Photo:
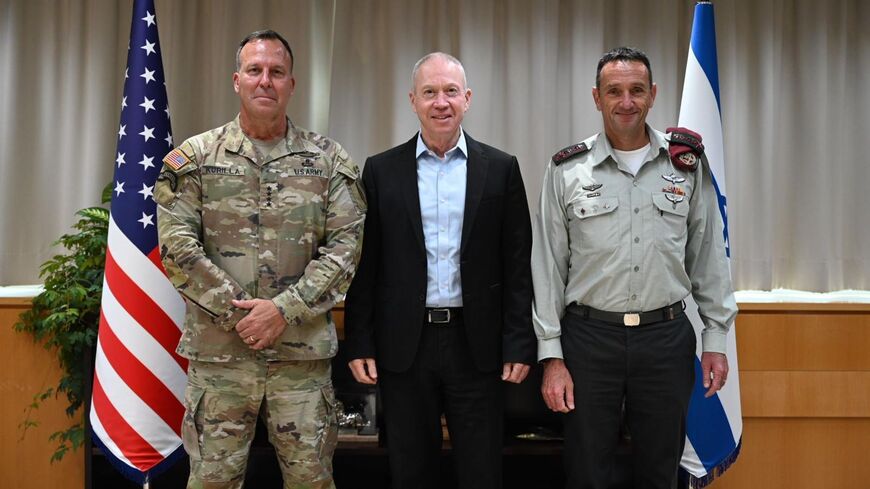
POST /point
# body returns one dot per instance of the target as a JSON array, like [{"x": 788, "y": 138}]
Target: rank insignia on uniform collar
[
  {"x": 592, "y": 187},
  {"x": 685, "y": 148},
  {"x": 566, "y": 153}
]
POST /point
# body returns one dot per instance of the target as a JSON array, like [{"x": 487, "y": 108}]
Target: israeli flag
[{"x": 714, "y": 425}]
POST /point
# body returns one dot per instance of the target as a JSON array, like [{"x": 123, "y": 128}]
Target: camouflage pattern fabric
[
  {"x": 223, "y": 400},
  {"x": 234, "y": 224}
]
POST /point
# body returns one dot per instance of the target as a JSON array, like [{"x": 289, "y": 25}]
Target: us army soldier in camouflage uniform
[{"x": 260, "y": 224}]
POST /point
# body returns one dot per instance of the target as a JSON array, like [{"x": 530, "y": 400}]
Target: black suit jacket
[{"x": 385, "y": 306}]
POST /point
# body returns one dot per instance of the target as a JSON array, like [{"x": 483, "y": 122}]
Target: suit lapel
[
  {"x": 476, "y": 169},
  {"x": 407, "y": 175}
]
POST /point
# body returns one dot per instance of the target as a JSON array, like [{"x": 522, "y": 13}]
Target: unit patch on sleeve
[{"x": 176, "y": 159}]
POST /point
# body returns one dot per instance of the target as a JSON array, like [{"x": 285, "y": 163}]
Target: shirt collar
[
  {"x": 603, "y": 149},
  {"x": 423, "y": 149}
]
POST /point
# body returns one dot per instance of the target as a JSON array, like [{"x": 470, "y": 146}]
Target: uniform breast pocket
[
  {"x": 594, "y": 223},
  {"x": 225, "y": 187},
  {"x": 670, "y": 221}
]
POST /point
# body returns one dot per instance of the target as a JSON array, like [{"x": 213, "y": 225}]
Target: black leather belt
[
  {"x": 629, "y": 319},
  {"x": 443, "y": 315}
]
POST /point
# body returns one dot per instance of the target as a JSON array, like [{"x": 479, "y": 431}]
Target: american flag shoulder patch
[{"x": 176, "y": 159}]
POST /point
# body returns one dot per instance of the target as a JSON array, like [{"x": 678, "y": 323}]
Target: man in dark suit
[{"x": 439, "y": 313}]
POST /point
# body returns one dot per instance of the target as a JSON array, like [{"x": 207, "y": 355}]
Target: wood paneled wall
[
  {"x": 25, "y": 370},
  {"x": 805, "y": 392},
  {"x": 804, "y": 380}
]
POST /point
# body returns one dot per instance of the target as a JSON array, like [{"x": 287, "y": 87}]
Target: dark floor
[
  {"x": 352, "y": 471},
  {"x": 527, "y": 464}
]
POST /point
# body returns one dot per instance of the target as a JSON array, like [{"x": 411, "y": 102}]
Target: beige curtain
[{"x": 793, "y": 77}]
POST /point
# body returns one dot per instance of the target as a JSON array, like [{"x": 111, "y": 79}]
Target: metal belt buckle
[
  {"x": 631, "y": 319},
  {"x": 439, "y": 316}
]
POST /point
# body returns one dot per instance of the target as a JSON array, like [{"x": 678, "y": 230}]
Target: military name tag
[
  {"x": 223, "y": 170},
  {"x": 308, "y": 172}
]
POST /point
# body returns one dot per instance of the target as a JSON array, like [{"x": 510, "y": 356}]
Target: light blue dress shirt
[{"x": 441, "y": 184}]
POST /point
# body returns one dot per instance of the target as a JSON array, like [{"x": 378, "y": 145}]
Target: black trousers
[
  {"x": 651, "y": 369},
  {"x": 443, "y": 379}
]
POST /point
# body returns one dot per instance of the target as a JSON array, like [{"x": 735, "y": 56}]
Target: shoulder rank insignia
[
  {"x": 569, "y": 152},
  {"x": 176, "y": 159},
  {"x": 685, "y": 148}
]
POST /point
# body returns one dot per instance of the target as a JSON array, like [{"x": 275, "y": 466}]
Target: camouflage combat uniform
[{"x": 234, "y": 224}]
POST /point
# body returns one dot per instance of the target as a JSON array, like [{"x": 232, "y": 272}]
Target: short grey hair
[
  {"x": 264, "y": 35},
  {"x": 445, "y": 57}
]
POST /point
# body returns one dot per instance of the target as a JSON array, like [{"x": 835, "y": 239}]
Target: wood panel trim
[
  {"x": 804, "y": 341},
  {"x": 778, "y": 394},
  {"x": 803, "y": 307},
  {"x": 15, "y": 302}
]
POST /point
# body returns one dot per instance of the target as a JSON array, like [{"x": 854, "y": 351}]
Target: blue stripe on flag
[
  {"x": 704, "y": 45},
  {"x": 132, "y": 473},
  {"x": 723, "y": 203},
  {"x": 707, "y": 427}
]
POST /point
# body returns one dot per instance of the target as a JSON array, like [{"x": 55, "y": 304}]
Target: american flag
[{"x": 137, "y": 403}]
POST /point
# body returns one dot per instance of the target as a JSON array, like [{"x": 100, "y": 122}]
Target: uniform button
[
  {"x": 636, "y": 210},
  {"x": 634, "y": 183},
  {"x": 633, "y": 297},
  {"x": 636, "y": 268},
  {"x": 637, "y": 240}
]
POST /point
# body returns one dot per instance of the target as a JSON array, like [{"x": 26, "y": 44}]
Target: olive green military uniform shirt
[
  {"x": 623, "y": 243},
  {"x": 286, "y": 226}
]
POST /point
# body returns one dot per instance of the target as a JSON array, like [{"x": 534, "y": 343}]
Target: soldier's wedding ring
[{"x": 251, "y": 339}]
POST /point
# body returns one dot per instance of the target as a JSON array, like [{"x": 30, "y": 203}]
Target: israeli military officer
[
  {"x": 259, "y": 225},
  {"x": 628, "y": 225}
]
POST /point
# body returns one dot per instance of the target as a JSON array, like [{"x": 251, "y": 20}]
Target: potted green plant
[{"x": 65, "y": 317}]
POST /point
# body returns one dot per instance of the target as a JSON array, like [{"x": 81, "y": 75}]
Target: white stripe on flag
[
  {"x": 138, "y": 414},
  {"x": 147, "y": 350},
  {"x": 700, "y": 113},
  {"x": 142, "y": 271},
  {"x": 97, "y": 425}
]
